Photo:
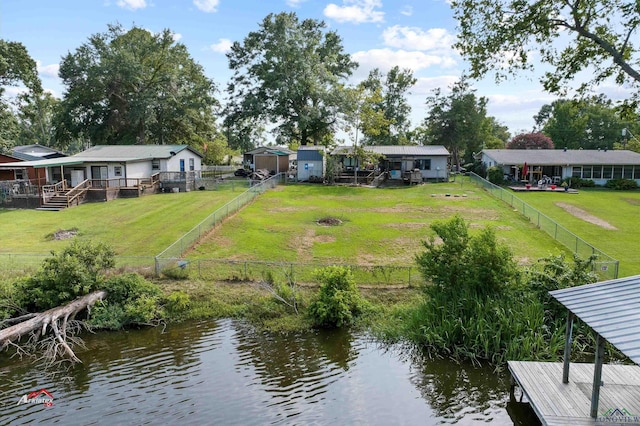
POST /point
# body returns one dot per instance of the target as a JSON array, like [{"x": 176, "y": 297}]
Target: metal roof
[
  {"x": 611, "y": 308},
  {"x": 108, "y": 153},
  {"x": 394, "y": 150},
  {"x": 560, "y": 157}
]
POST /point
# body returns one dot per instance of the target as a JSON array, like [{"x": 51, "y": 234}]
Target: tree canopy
[
  {"x": 456, "y": 121},
  {"x": 135, "y": 87},
  {"x": 288, "y": 73},
  {"x": 589, "y": 123},
  {"x": 530, "y": 141},
  {"x": 597, "y": 36},
  {"x": 387, "y": 104}
]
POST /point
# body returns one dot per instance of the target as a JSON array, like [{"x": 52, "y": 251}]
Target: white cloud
[
  {"x": 385, "y": 59},
  {"x": 132, "y": 4},
  {"x": 355, "y": 11},
  {"x": 222, "y": 46},
  {"x": 295, "y": 3},
  {"x": 208, "y": 6},
  {"x": 176, "y": 36},
  {"x": 417, "y": 39},
  {"x": 49, "y": 71},
  {"x": 407, "y": 10}
]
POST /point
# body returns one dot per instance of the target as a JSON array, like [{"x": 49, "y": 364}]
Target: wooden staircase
[{"x": 58, "y": 197}]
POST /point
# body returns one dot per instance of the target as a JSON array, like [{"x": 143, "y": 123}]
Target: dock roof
[{"x": 611, "y": 308}]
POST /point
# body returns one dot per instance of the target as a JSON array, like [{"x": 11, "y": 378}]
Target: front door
[
  {"x": 77, "y": 176},
  {"x": 99, "y": 176}
]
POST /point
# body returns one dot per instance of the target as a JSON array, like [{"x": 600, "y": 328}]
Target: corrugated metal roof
[
  {"x": 611, "y": 308},
  {"x": 391, "y": 150},
  {"x": 560, "y": 157},
  {"x": 131, "y": 152}
]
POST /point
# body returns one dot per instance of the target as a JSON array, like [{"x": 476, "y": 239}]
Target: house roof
[
  {"x": 35, "y": 152},
  {"x": 273, "y": 150},
  {"x": 106, "y": 153},
  {"x": 560, "y": 157},
  {"x": 405, "y": 150},
  {"x": 611, "y": 308}
]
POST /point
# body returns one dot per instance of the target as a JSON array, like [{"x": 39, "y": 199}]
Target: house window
[
  {"x": 422, "y": 164},
  {"x": 182, "y": 165},
  {"x": 617, "y": 172},
  {"x": 597, "y": 172},
  {"x": 606, "y": 172},
  {"x": 155, "y": 164},
  {"x": 19, "y": 174},
  {"x": 587, "y": 172},
  {"x": 627, "y": 172},
  {"x": 117, "y": 171},
  {"x": 577, "y": 172},
  {"x": 192, "y": 166}
]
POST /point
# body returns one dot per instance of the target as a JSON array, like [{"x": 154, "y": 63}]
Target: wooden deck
[{"x": 556, "y": 403}]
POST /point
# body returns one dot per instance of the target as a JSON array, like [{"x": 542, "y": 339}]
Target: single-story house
[
  {"x": 109, "y": 171},
  {"x": 432, "y": 161},
  {"x": 273, "y": 158},
  {"x": 558, "y": 164}
]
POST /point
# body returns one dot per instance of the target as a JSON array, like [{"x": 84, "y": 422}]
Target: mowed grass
[
  {"x": 132, "y": 226},
  {"x": 621, "y": 209},
  {"x": 379, "y": 226}
]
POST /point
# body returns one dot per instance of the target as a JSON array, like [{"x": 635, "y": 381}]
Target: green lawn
[
  {"x": 379, "y": 226},
  {"x": 620, "y": 209},
  {"x": 132, "y": 226}
]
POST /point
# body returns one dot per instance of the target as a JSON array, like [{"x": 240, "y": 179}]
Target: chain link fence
[
  {"x": 605, "y": 266},
  {"x": 172, "y": 255},
  {"x": 16, "y": 265},
  {"x": 303, "y": 273}
]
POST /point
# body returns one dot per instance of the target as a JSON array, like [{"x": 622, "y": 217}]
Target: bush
[
  {"x": 621, "y": 184},
  {"x": 578, "y": 183},
  {"x": 76, "y": 271},
  {"x": 495, "y": 175},
  {"x": 339, "y": 301}
]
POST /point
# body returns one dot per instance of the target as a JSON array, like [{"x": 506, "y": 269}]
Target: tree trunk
[{"x": 56, "y": 318}]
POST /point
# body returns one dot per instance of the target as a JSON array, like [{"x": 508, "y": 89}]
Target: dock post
[
  {"x": 597, "y": 376},
  {"x": 567, "y": 348}
]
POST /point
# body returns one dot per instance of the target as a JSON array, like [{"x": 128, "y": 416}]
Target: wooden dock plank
[{"x": 558, "y": 403}]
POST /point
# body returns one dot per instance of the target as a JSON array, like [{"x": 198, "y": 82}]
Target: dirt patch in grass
[
  {"x": 632, "y": 201},
  {"x": 406, "y": 225},
  {"x": 329, "y": 221},
  {"x": 587, "y": 217},
  {"x": 63, "y": 234}
]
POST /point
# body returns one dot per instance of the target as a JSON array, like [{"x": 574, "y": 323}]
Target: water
[{"x": 224, "y": 372}]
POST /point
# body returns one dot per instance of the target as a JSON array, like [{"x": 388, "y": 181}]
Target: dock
[{"x": 557, "y": 403}]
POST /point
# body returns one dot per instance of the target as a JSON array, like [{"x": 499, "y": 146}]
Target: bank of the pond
[{"x": 253, "y": 302}]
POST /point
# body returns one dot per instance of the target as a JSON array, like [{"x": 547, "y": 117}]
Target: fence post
[{"x": 157, "y": 263}]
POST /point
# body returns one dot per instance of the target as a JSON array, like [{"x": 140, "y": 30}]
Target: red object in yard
[
  {"x": 525, "y": 171},
  {"x": 553, "y": 187},
  {"x": 528, "y": 186}
]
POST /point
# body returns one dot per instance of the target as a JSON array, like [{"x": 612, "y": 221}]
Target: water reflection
[{"x": 227, "y": 373}]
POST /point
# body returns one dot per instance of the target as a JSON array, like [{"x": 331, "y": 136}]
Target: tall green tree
[
  {"x": 135, "y": 87},
  {"x": 387, "y": 97},
  {"x": 36, "y": 114},
  {"x": 494, "y": 135},
  {"x": 288, "y": 73},
  {"x": 588, "y": 123},
  {"x": 456, "y": 120},
  {"x": 16, "y": 68},
  {"x": 598, "y": 36}
]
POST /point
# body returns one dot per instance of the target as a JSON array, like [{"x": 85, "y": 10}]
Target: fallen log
[{"x": 56, "y": 318}]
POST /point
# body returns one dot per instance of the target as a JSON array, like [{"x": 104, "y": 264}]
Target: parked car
[{"x": 242, "y": 172}]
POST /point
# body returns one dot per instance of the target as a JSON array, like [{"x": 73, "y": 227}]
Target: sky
[{"x": 415, "y": 34}]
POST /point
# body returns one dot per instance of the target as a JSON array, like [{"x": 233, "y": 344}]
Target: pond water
[{"x": 224, "y": 372}]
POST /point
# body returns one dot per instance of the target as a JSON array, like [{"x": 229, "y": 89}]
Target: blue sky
[{"x": 414, "y": 34}]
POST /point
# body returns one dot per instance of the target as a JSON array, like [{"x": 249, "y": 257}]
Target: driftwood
[{"x": 57, "y": 318}]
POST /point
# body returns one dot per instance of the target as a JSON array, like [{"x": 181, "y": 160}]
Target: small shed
[
  {"x": 273, "y": 158},
  {"x": 311, "y": 162}
]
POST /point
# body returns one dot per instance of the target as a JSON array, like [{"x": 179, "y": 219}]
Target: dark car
[{"x": 242, "y": 172}]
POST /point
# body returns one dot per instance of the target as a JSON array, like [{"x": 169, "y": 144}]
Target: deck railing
[
  {"x": 78, "y": 192},
  {"x": 49, "y": 191}
]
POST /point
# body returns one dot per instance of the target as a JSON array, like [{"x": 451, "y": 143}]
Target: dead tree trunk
[{"x": 57, "y": 318}]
